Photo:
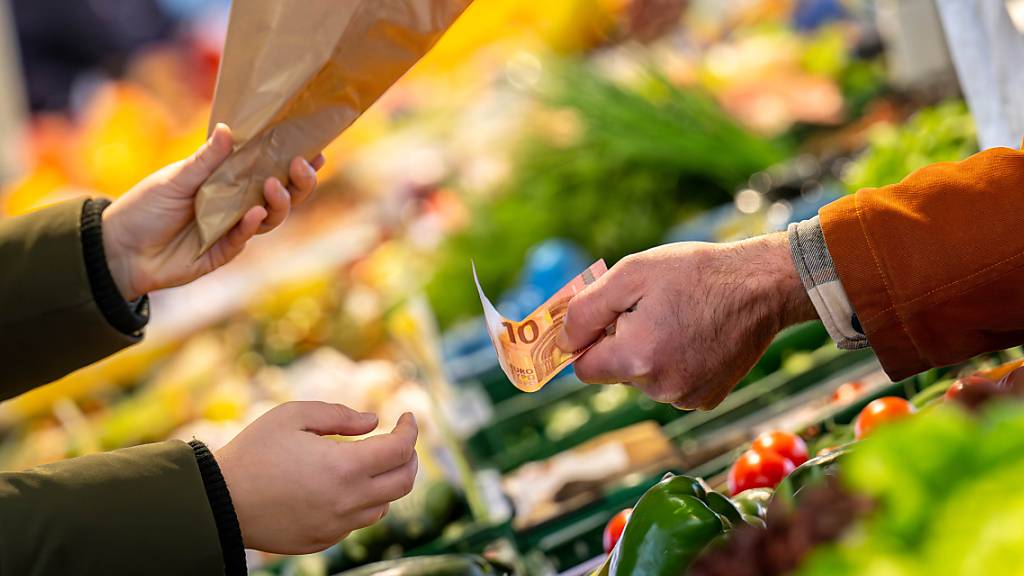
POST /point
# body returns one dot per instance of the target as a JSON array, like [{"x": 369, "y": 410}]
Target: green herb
[
  {"x": 942, "y": 133},
  {"x": 645, "y": 157},
  {"x": 945, "y": 485}
]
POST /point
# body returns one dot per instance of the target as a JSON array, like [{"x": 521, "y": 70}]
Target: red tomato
[
  {"x": 755, "y": 469},
  {"x": 953, "y": 391},
  {"x": 613, "y": 531},
  {"x": 789, "y": 446},
  {"x": 879, "y": 412},
  {"x": 967, "y": 382},
  {"x": 847, "y": 392}
]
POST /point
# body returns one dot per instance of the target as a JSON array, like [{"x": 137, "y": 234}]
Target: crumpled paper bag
[{"x": 295, "y": 74}]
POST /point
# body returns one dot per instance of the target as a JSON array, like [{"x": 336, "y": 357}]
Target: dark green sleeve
[
  {"x": 50, "y": 325},
  {"x": 140, "y": 510}
]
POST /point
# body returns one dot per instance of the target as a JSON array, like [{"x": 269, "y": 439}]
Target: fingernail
[
  {"x": 563, "y": 341},
  {"x": 310, "y": 171},
  {"x": 220, "y": 127}
]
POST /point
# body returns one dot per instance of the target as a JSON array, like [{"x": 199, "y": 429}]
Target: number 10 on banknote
[{"x": 527, "y": 350}]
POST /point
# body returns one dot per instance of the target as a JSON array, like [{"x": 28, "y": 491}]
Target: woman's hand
[
  {"x": 149, "y": 236},
  {"x": 296, "y": 492}
]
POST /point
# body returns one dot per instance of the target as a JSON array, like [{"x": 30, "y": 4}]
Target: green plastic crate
[
  {"x": 575, "y": 537},
  {"x": 560, "y": 417}
]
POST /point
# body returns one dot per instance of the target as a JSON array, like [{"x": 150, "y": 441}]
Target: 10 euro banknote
[{"x": 527, "y": 350}]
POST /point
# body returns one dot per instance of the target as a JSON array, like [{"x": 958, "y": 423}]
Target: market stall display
[
  {"x": 613, "y": 530},
  {"x": 670, "y": 525},
  {"x": 531, "y": 142},
  {"x": 431, "y": 566},
  {"x": 874, "y": 504}
]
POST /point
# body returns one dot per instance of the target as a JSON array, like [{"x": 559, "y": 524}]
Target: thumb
[
  {"x": 195, "y": 169},
  {"x": 595, "y": 308},
  {"x": 326, "y": 419}
]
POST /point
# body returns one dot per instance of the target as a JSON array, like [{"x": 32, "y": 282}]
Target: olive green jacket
[{"x": 141, "y": 510}]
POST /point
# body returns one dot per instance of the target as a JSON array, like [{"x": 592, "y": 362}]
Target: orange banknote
[{"x": 526, "y": 350}]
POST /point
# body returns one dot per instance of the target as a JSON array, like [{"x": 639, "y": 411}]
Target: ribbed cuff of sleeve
[
  {"x": 223, "y": 510},
  {"x": 127, "y": 317},
  {"x": 818, "y": 273}
]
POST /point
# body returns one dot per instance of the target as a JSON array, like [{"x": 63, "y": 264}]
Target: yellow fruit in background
[
  {"x": 226, "y": 403},
  {"x": 44, "y": 186},
  {"x": 121, "y": 139},
  {"x": 565, "y": 26},
  {"x": 278, "y": 302},
  {"x": 186, "y": 139},
  {"x": 124, "y": 135}
]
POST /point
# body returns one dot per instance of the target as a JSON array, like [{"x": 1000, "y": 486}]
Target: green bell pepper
[
  {"x": 725, "y": 508},
  {"x": 671, "y": 524},
  {"x": 755, "y": 521},
  {"x": 814, "y": 472},
  {"x": 753, "y": 502}
]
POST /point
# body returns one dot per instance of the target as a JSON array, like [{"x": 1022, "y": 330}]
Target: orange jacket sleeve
[{"x": 934, "y": 265}]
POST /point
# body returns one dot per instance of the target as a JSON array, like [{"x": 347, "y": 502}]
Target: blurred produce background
[{"x": 533, "y": 139}]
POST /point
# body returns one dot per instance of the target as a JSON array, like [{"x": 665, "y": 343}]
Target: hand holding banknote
[
  {"x": 688, "y": 320},
  {"x": 527, "y": 350}
]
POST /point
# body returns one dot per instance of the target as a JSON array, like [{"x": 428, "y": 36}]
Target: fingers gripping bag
[{"x": 295, "y": 74}]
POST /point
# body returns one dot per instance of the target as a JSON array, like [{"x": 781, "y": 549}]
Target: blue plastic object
[
  {"x": 548, "y": 266},
  {"x": 188, "y": 9},
  {"x": 806, "y": 208},
  {"x": 812, "y": 14},
  {"x": 702, "y": 228},
  {"x": 552, "y": 264}
]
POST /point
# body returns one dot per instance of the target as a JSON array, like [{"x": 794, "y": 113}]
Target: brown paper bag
[{"x": 295, "y": 74}]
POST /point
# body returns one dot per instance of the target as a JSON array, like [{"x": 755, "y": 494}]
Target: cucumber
[
  {"x": 422, "y": 516},
  {"x": 366, "y": 544},
  {"x": 931, "y": 394}
]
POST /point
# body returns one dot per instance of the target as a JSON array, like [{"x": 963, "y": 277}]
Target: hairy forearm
[{"x": 775, "y": 280}]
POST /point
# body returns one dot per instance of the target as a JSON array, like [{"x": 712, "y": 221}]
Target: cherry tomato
[
  {"x": 789, "y": 446},
  {"x": 975, "y": 390},
  {"x": 879, "y": 412},
  {"x": 956, "y": 391},
  {"x": 613, "y": 531},
  {"x": 755, "y": 469},
  {"x": 847, "y": 392}
]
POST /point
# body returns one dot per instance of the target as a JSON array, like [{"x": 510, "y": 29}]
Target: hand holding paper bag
[
  {"x": 149, "y": 233},
  {"x": 295, "y": 75}
]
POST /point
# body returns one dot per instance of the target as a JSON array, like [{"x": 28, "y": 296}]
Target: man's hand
[
  {"x": 296, "y": 492},
  {"x": 689, "y": 319},
  {"x": 149, "y": 236}
]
